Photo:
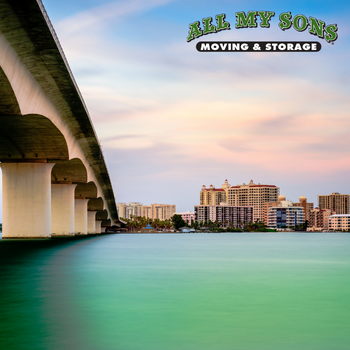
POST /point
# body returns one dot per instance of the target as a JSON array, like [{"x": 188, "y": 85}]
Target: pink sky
[{"x": 171, "y": 119}]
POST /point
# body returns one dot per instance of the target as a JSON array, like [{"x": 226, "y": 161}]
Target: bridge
[{"x": 54, "y": 176}]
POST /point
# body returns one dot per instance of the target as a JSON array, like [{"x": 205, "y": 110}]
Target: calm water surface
[{"x": 177, "y": 292}]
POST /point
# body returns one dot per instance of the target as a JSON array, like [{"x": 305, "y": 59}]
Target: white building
[
  {"x": 339, "y": 222},
  {"x": 285, "y": 215}
]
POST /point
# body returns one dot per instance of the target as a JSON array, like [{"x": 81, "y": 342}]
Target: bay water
[{"x": 228, "y": 291}]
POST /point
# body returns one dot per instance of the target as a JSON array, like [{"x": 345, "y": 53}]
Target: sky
[{"x": 171, "y": 119}]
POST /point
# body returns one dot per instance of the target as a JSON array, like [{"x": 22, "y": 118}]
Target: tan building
[
  {"x": 339, "y": 222},
  {"x": 125, "y": 210},
  {"x": 318, "y": 219},
  {"x": 255, "y": 195},
  {"x": 305, "y": 205},
  {"x": 159, "y": 211},
  {"x": 336, "y": 202},
  {"x": 269, "y": 205},
  {"x": 214, "y": 196}
]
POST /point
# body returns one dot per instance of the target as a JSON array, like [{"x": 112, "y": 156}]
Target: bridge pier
[
  {"x": 103, "y": 229},
  {"x": 26, "y": 199},
  {"x": 98, "y": 226},
  {"x": 80, "y": 216},
  {"x": 91, "y": 218},
  {"x": 62, "y": 208}
]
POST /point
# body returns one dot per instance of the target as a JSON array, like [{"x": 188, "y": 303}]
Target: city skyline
[{"x": 171, "y": 119}]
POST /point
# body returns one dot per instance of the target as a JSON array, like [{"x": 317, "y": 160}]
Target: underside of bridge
[{"x": 55, "y": 180}]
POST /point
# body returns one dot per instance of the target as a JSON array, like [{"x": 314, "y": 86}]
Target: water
[{"x": 177, "y": 292}]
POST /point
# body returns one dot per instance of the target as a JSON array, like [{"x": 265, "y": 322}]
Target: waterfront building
[
  {"x": 306, "y": 206},
  {"x": 269, "y": 205},
  {"x": 214, "y": 196},
  {"x": 336, "y": 202},
  {"x": 187, "y": 217},
  {"x": 125, "y": 210},
  {"x": 159, "y": 211},
  {"x": 256, "y": 195},
  {"x": 319, "y": 219},
  {"x": 226, "y": 214},
  {"x": 339, "y": 222},
  {"x": 285, "y": 215}
]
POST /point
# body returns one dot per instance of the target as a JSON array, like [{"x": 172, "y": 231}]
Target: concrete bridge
[{"x": 55, "y": 180}]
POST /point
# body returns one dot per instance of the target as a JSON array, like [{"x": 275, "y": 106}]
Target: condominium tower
[
  {"x": 336, "y": 202},
  {"x": 159, "y": 211},
  {"x": 214, "y": 196},
  {"x": 305, "y": 205},
  {"x": 125, "y": 210},
  {"x": 255, "y": 195},
  {"x": 224, "y": 214}
]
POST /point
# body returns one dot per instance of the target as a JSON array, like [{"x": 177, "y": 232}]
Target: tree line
[{"x": 137, "y": 223}]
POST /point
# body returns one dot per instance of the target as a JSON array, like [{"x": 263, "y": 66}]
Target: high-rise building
[
  {"x": 159, "y": 211},
  {"x": 319, "y": 219},
  {"x": 226, "y": 214},
  {"x": 336, "y": 202},
  {"x": 306, "y": 206},
  {"x": 214, "y": 196},
  {"x": 125, "y": 210},
  {"x": 269, "y": 205},
  {"x": 285, "y": 215},
  {"x": 255, "y": 195}
]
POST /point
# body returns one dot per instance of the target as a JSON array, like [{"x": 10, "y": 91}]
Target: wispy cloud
[{"x": 98, "y": 16}]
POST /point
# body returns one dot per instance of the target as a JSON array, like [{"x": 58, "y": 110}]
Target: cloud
[
  {"x": 168, "y": 114},
  {"x": 99, "y": 16}
]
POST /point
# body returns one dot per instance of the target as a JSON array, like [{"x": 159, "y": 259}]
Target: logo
[{"x": 252, "y": 19}]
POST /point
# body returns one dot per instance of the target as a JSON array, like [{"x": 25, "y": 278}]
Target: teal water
[{"x": 177, "y": 292}]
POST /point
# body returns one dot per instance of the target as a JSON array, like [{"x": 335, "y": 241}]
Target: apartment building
[
  {"x": 214, "y": 196},
  {"x": 228, "y": 215},
  {"x": 285, "y": 215},
  {"x": 125, "y": 210},
  {"x": 339, "y": 222},
  {"x": 159, "y": 211},
  {"x": 319, "y": 219},
  {"x": 306, "y": 206},
  {"x": 255, "y": 195},
  {"x": 187, "y": 216},
  {"x": 336, "y": 202}
]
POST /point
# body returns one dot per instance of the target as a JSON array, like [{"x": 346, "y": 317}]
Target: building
[
  {"x": 126, "y": 210},
  {"x": 159, "y": 211},
  {"x": 269, "y": 205},
  {"x": 188, "y": 216},
  {"x": 339, "y": 222},
  {"x": 285, "y": 215},
  {"x": 255, "y": 195},
  {"x": 319, "y": 219},
  {"x": 306, "y": 206},
  {"x": 228, "y": 215},
  {"x": 214, "y": 196},
  {"x": 336, "y": 202}
]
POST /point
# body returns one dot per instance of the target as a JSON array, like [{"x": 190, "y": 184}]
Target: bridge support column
[
  {"x": 26, "y": 200},
  {"x": 80, "y": 216},
  {"x": 103, "y": 229},
  {"x": 98, "y": 226},
  {"x": 62, "y": 209},
  {"x": 91, "y": 221}
]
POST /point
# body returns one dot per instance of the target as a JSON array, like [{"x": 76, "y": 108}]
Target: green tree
[{"x": 177, "y": 221}]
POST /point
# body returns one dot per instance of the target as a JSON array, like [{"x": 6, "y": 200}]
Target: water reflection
[{"x": 229, "y": 291}]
